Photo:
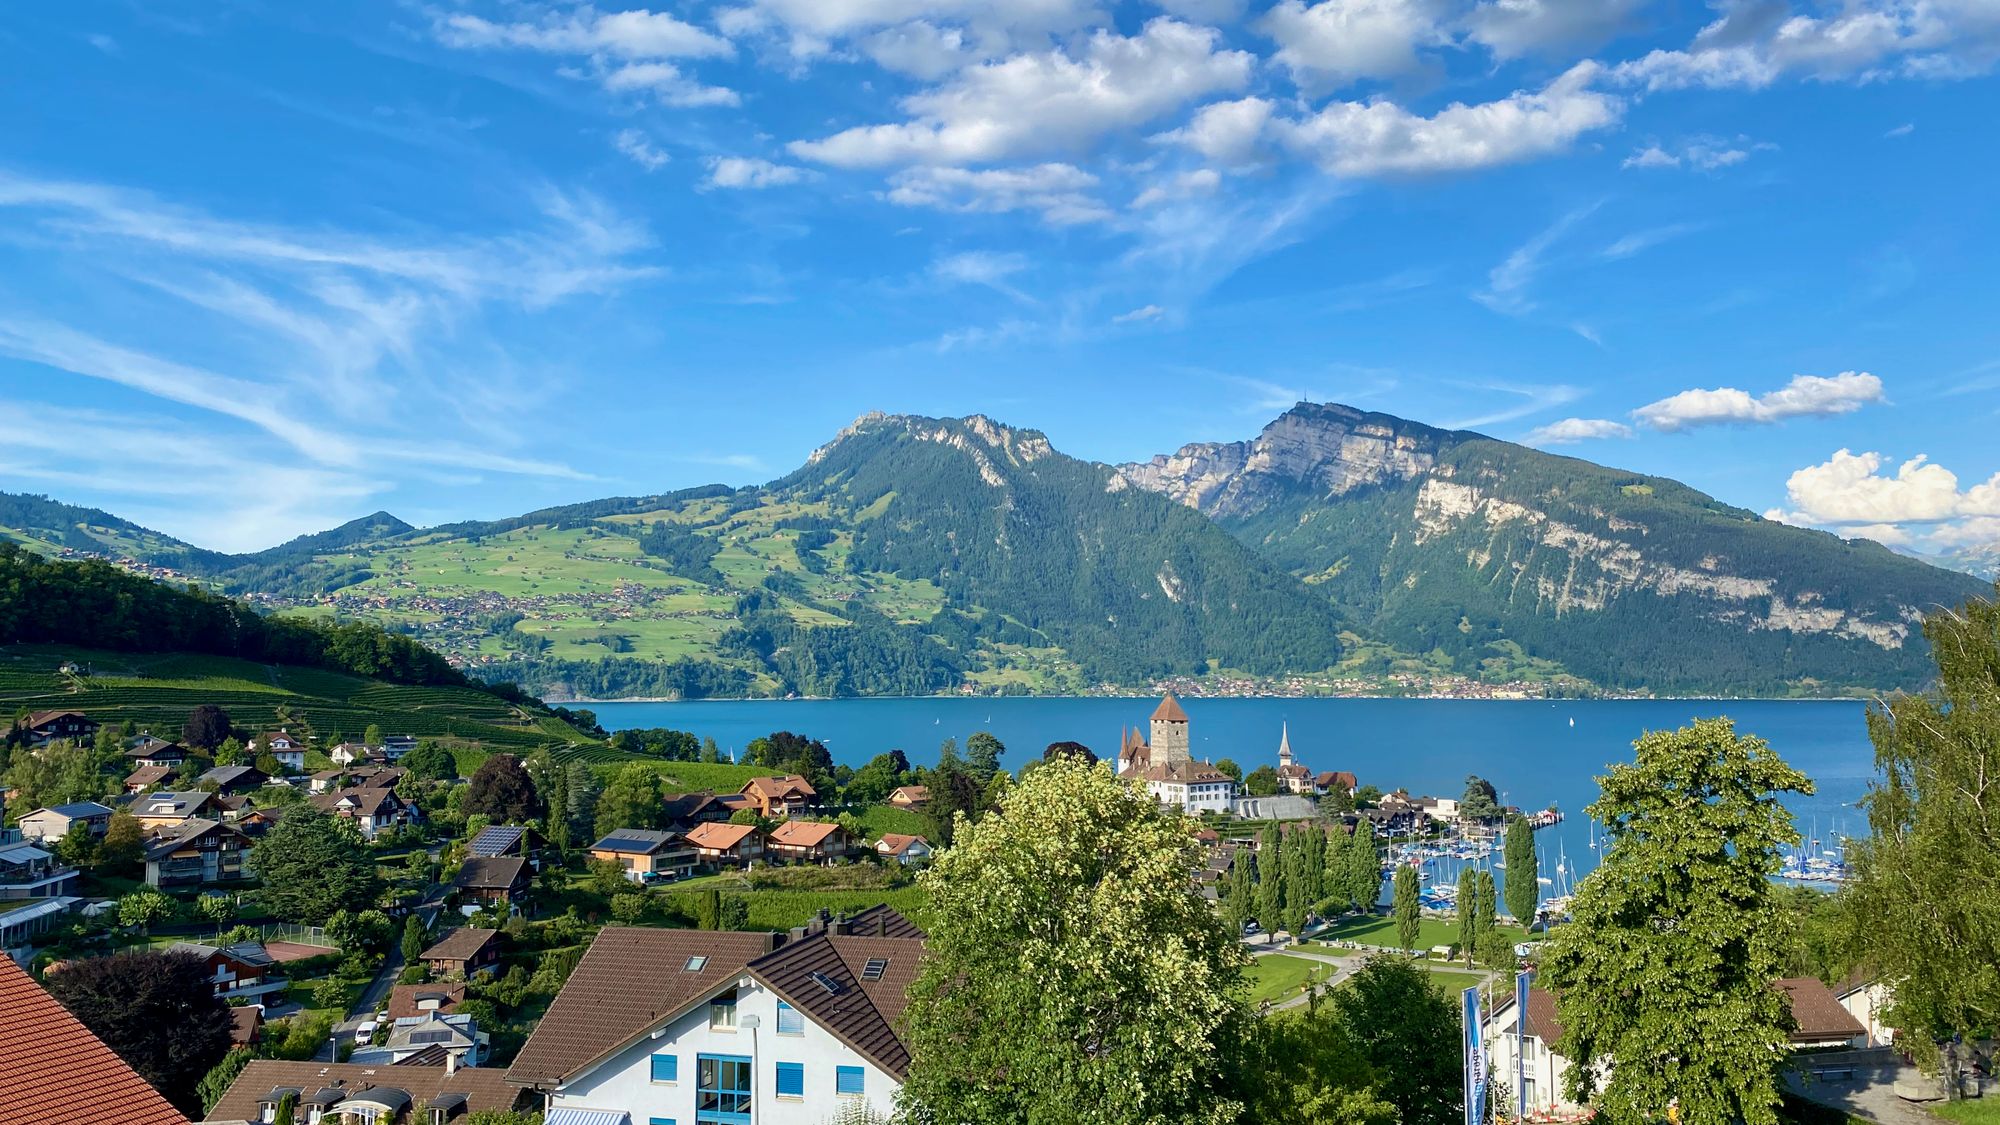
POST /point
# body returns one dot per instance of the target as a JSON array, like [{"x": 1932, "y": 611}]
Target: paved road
[
  {"x": 374, "y": 996},
  {"x": 1345, "y": 964},
  {"x": 1870, "y": 1093}
]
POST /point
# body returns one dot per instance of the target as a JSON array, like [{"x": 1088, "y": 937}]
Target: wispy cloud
[
  {"x": 1534, "y": 398},
  {"x": 1142, "y": 313},
  {"x": 1638, "y": 242},
  {"x": 1509, "y": 285}
]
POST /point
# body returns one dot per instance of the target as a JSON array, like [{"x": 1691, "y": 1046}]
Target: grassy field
[
  {"x": 156, "y": 691},
  {"x": 1451, "y": 980},
  {"x": 1980, "y": 1111},
  {"x": 1382, "y": 931},
  {"x": 878, "y": 819},
  {"x": 1278, "y": 977}
]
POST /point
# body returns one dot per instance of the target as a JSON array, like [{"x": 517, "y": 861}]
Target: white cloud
[
  {"x": 1534, "y": 399},
  {"x": 1045, "y": 102},
  {"x": 984, "y": 267},
  {"x": 1705, "y": 154},
  {"x": 1183, "y": 185},
  {"x": 1572, "y": 430},
  {"x": 1512, "y": 28},
  {"x": 1227, "y": 133},
  {"x": 1638, "y": 242},
  {"x": 1382, "y": 138},
  {"x": 1142, "y": 313},
  {"x": 919, "y": 49},
  {"x": 637, "y": 34},
  {"x": 1508, "y": 284},
  {"x": 1336, "y": 42},
  {"x": 103, "y": 43},
  {"x": 643, "y": 152},
  {"x": 1804, "y": 396},
  {"x": 1755, "y": 44},
  {"x": 1903, "y": 130},
  {"x": 751, "y": 173},
  {"x": 1060, "y": 192},
  {"x": 1851, "y": 488},
  {"x": 625, "y": 52}
]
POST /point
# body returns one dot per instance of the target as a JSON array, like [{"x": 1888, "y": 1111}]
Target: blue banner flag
[
  {"x": 1475, "y": 1061},
  {"x": 1522, "y": 982}
]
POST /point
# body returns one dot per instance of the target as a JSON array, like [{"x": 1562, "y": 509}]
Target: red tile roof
[
  {"x": 54, "y": 1070},
  {"x": 822, "y": 977},
  {"x": 718, "y": 836},
  {"x": 895, "y": 843},
  {"x": 403, "y": 999},
  {"x": 1169, "y": 710},
  {"x": 803, "y": 833},
  {"x": 780, "y": 788}
]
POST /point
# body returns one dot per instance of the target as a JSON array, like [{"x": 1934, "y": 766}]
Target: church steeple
[{"x": 1285, "y": 745}]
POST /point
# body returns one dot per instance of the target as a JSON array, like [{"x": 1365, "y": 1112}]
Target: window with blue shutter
[
  {"x": 791, "y": 1080},
  {"x": 790, "y": 1021},
  {"x": 666, "y": 1068},
  {"x": 847, "y": 1081}
]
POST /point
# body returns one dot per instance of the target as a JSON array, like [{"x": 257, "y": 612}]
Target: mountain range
[{"x": 1337, "y": 550}]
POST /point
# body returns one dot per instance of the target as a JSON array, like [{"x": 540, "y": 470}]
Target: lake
[{"x": 1533, "y": 751}]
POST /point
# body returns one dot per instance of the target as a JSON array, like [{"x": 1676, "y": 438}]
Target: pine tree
[{"x": 582, "y": 789}]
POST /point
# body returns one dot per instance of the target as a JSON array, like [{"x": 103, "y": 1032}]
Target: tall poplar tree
[
  {"x": 1666, "y": 970},
  {"x": 1409, "y": 916},
  {"x": 1364, "y": 867},
  {"x": 1271, "y": 879},
  {"x": 1928, "y": 880},
  {"x": 1524, "y": 886},
  {"x": 1468, "y": 912}
]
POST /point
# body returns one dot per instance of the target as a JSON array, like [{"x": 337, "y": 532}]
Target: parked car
[{"x": 365, "y": 1033}]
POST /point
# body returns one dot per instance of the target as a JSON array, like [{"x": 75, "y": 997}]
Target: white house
[
  {"x": 1864, "y": 997},
  {"x": 288, "y": 749},
  {"x": 691, "y": 1027},
  {"x": 906, "y": 850}
]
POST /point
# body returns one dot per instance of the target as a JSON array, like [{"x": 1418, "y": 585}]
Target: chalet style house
[
  {"x": 501, "y": 839},
  {"x": 497, "y": 881},
  {"x": 289, "y": 751},
  {"x": 464, "y": 952},
  {"x": 150, "y": 751},
  {"x": 727, "y": 845},
  {"x": 43, "y": 727},
  {"x": 910, "y": 796},
  {"x": 703, "y": 1026},
  {"x": 645, "y": 854},
  {"x": 809, "y": 841},
  {"x": 245, "y": 970},
  {"x": 372, "y": 811},
  {"x": 197, "y": 853},
  {"x": 775, "y": 797},
  {"x": 906, "y": 850},
  {"x": 168, "y": 809}
]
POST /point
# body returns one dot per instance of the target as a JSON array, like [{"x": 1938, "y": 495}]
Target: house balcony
[{"x": 47, "y": 882}]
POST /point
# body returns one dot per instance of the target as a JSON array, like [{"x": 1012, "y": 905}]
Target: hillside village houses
[
  {"x": 289, "y": 751},
  {"x": 43, "y": 727},
  {"x": 52, "y": 824}
]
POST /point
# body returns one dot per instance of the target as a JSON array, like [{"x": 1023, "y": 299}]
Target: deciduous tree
[
  {"x": 1665, "y": 971},
  {"x": 206, "y": 727},
  {"x": 982, "y": 756},
  {"x": 158, "y": 1011},
  {"x": 123, "y": 846},
  {"x": 1054, "y": 925},
  {"x": 1929, "y": 877},
  {"x": 1408, "y": 1030},
  {"x": 502, "y": 789},
  {"x": 634, "y": 799},
  {"x": 1262, "y": 782}
]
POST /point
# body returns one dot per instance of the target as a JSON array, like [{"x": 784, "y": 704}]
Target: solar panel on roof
[
  {"x": 831, "y": 985},
  {"x": 874, "y": 969},
  {"x": 431, "y": 1037}
]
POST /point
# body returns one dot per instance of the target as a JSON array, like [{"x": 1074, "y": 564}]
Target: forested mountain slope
[{"x": 1458, "y": 543}]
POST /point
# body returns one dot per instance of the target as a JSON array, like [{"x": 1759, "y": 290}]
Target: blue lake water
[{"x": 1530, "y": 750}]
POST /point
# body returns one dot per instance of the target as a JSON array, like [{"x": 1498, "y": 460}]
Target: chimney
[{"x": 450, "y": 1063}]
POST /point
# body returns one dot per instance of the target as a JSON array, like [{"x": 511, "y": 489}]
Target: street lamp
[{"x": 750, "y": 1023}]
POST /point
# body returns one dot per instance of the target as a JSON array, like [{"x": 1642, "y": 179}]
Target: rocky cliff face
[{"x": 1329, "y": 448}]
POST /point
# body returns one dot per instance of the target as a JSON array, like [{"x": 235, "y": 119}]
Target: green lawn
[
  {"x": 1278, "y": 976},
  {"x": 1979, "y": 1111},
  {"x": 878, "y": 819},
  {"x": 1382, "y": 931},
  {"x": 1453, "y": 981}
]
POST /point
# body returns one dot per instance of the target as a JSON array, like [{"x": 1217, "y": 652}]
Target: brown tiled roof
[
  {"x": 145, "y": 777},
  {"x": 44, "y": 718},
  {"x": 897, "y": 843},
  {"x": 883, "y": 921},
  {"x": 244, "y": 1023},
  {"x": 403, "y": 999},
  {"x": 1818, "y": 1014},
  {"x": 629, "y": 982},
  {"x": 913, "y": 794},
  {"x": 1542, "y": 1021},
  {"x": 54, "y": 1070},
  {"x": 1169, "y": 710},
  {"x": 484, "y": 1089},
  {"x": 433, "y": 1055},
  {"x": 367, "y": 799},
  {"x": 686, "y": 806},
  {"x": 460, "y": 945},
  {"x": 1184, "y": 773},
  {"x": 862, "y": 1013},
  {"x": 494, "y": 873},
  {"x": 1337, "y": 779},
  {"x": 718, "y": 836},
  {"x": 778, "y": 788},
  {"x": 803, "y": 833}
]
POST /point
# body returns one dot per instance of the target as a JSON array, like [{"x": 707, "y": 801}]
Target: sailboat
[{"x": 1572, "y": 721}]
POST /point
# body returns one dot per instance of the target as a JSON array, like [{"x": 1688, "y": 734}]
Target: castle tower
[{"x": 1170, "y": 733}]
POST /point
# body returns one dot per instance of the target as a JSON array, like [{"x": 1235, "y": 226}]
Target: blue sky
[{"x": 265, "y": 267}]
